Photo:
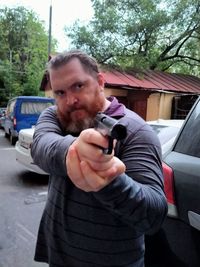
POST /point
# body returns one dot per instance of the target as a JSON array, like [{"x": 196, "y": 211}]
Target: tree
[
  {"x": 152, "y": 34},
  {"x": 24, "y": 51}
]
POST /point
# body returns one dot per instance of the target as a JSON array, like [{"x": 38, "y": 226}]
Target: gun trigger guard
[{"x": 109, "y": 150}]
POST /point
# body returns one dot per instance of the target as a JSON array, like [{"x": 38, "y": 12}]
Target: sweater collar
[{"x": 115, "y": 109}]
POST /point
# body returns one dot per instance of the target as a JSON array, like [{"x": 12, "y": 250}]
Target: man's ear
[{"x": 101, "y": 80}]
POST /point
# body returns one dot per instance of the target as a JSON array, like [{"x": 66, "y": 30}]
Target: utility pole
[{"x": 50, "y": 23}]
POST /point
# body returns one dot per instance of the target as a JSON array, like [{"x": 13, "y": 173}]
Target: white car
[
  {"x": 167, "y": 131},
  {"x": 23, "y": 151}
]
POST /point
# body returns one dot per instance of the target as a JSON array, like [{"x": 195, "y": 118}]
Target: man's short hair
[{"x": 89, "y": 63}]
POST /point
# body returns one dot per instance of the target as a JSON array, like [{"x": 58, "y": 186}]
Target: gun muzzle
[{"x": 110, "y": 127}]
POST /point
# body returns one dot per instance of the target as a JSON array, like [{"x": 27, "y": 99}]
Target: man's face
[{"x": 79, "y": 96}]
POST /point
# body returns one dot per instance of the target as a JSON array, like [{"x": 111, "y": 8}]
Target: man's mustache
[{"x": 72, "y": 109}]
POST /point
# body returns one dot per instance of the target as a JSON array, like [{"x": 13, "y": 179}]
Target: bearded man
[{"x": 99, "y": 206}]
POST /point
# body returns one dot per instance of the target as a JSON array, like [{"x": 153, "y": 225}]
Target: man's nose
[{"x": 71, "y": 99}]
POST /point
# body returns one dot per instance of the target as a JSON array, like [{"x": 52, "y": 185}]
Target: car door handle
[{"x": 194, "y": 219}]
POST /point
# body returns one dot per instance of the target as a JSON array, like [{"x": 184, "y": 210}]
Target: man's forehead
[
  {"x": 72, "y": 67},
  {"x": 68, "y": 80}
]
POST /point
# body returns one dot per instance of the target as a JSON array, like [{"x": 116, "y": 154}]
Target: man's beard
[{"x": 76, "y": 126}]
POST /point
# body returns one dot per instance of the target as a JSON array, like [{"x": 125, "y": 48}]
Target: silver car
[
  {"x": 23, "y": 151},
  {"x": 166, "y": 131}
]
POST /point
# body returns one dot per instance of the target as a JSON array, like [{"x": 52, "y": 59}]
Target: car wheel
[
  {"x": 7, "y": 135},
  {"x": 13, "y": 140}
]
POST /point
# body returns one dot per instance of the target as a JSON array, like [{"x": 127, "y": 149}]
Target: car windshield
[{"x": 165, "y": 133}]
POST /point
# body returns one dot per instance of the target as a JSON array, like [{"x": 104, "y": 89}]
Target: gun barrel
[
  {"x": 110, "y": 126},
  {"x": 118, "y": 132}
]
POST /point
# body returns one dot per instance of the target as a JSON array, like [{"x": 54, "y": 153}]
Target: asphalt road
[{"x": 22, "y": 199}]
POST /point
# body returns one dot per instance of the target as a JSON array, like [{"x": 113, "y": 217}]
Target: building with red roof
[{"x": 152, "y": 94}]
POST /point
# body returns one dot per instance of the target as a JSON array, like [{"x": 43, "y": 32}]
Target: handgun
[{"x": 110, "y": 127}]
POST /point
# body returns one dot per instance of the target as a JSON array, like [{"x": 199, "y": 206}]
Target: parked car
[
  {"x": 167, "y": 131},
  {"x": 2, "y": 111},
  {"x": 178, "y": 241},
  {"x": 2, "y": 117},
  {"x": 23, "y": 151},
  {"x": 22, "y": 112}
]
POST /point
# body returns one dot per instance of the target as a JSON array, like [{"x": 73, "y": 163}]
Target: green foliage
[
  {"x": 23, "y": 53},
  {"x": 152, "y": 34}
]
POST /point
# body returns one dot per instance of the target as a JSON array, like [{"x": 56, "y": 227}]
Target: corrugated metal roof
[
  {"x": 153, "y": 80},
  {"x": 147, "y": 80},
  {"x": 123, "y": 79}
]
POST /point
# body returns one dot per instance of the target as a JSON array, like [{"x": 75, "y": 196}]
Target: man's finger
[
  {"x": 93, "y": 179},
  {"x": 74, "y": 170}
]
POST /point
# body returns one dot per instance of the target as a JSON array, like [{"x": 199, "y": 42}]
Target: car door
[{"x": 184, "y": 160}]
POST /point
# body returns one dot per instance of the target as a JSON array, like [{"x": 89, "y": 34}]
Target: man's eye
[
  {"x": 59, "y": 93},
  {"x": 78, "y": 87}
]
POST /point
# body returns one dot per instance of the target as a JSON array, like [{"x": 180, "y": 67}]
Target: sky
[{"x": 64, "y": 13}]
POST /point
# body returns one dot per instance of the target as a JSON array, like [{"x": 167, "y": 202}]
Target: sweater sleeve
[
  {"x": 137, "y": 196},
  {"x": 50, "y": 146}
]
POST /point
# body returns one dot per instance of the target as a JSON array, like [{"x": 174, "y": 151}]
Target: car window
[
  {"x": 34, "y": 107},
  {"x": 189, "y": 140},
  {"x": 10, "y": 108}
]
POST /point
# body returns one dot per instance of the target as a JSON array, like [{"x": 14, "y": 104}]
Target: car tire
[
  {"x": 13, "y": 140},
  {"x": 7, "y": 135}
]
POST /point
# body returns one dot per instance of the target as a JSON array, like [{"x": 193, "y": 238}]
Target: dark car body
[{"x": 177, "y": 243}]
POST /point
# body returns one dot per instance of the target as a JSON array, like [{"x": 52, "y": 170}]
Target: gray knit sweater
[{"x": 104, "y": 228}]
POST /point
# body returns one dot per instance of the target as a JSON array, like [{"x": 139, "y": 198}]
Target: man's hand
[{"x": 87, "y": 166}]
